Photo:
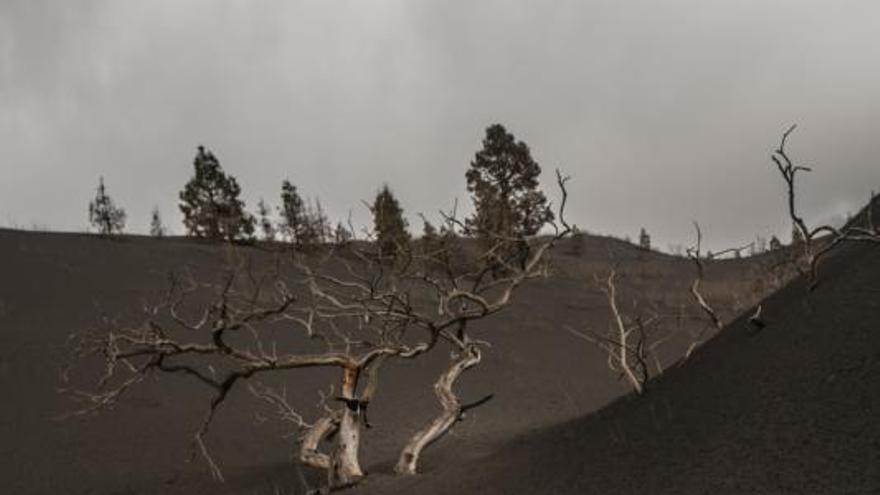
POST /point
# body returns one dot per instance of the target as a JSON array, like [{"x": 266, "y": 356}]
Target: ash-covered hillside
[
  {"x": 789, "y": 406},
  {"x": 539, "y": 373}
]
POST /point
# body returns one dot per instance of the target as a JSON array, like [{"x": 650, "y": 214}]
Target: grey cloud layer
[{"x": 662, "y": 111}]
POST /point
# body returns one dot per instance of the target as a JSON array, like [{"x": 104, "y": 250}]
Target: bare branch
[
  {"x": 627, "y": 345},
  {"x": 811, "y": 253}
]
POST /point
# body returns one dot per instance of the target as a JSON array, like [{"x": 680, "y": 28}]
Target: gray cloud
[{"x": 662, "y": 111}]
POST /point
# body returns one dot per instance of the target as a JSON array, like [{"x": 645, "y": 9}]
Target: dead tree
[
  {"x": 352, "y": 308},
  {"x": 228, "y": 343},
  {"x": 481, "y": 289},
  {"x": 631, "y": 343},
  {"x": 628, "y": 343},
  {"x": 695, "y": 254},
  {"x": 710, "y": 318},
  {"x": 819, "y": 241},
  {"x": 467, "y": 356}
]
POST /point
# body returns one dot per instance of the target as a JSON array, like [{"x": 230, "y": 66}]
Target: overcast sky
[{"x": 661, "y": 111}]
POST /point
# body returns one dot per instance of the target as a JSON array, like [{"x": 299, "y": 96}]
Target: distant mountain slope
[{"x": 792, "y": 408}]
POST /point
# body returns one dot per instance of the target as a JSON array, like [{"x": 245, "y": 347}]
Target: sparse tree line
[
  {"x": 503, "y": 180},
  {"x": 212, "y": 209}
]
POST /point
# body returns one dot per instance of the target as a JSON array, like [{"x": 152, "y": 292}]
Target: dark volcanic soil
[
  {"x": 793, "y": 408},
  {"x": 725, "y": 418}
]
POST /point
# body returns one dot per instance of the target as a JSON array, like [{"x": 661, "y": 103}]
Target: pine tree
[
  {"x": 644, "y": 240},
  {"x": 503, "y": 181},
  {"x": 210, "y": 202},
  {"x": 104, "y": 214},
  {"x": 266, "y": 225},
  {"x": 429, "y": 232},
  {"x": 341, "y": 235},
  {"x": 292, "y": 213},
  {"x": 389, "y": 224},
  {"x": 156, "y": 227},
  {"x": 430, "y": 240},
  {"x": 314, "y": 229}
]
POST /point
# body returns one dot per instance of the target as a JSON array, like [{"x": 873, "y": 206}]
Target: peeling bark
[
  {"x": 341, "y": 464},
  {"x": 452, "y": 410},
  {"x": 345, "y": 468},
  {"x": 309, "y": 453}
]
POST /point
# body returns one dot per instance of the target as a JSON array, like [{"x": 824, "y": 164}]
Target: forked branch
[{"x": 819, "y": 241}]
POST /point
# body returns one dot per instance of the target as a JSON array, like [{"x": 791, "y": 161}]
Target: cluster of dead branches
[
  {"x": 350, "y": 308},
  {"x": 712, "y": 321},
  {"x": 818, "y": 241},
  {"x": 630, "y": 343}
]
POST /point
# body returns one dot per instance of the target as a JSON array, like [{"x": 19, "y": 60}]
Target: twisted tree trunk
[
  {"x": 345, "y": 468},
  {"x": 309, "y": 453},
  {"x": 452, "y": 410},
  {"x": 341, "y": 464}
]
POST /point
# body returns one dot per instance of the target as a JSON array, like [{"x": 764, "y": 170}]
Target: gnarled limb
[
  {"x": 469, "y": 355},
  {"x": 313, "y": 435},
  {"x": 833, "y": 237},
  {"x": 503, "y": 267},
  {"x": 310, "y": 443},
  {"x": 343, "y": 424},
  {"x": 695, "y": 254}
]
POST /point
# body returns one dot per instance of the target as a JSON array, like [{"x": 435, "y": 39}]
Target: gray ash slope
[
  {"x": 55, "y": 284},
  {"x": 791, "y": 408}
]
